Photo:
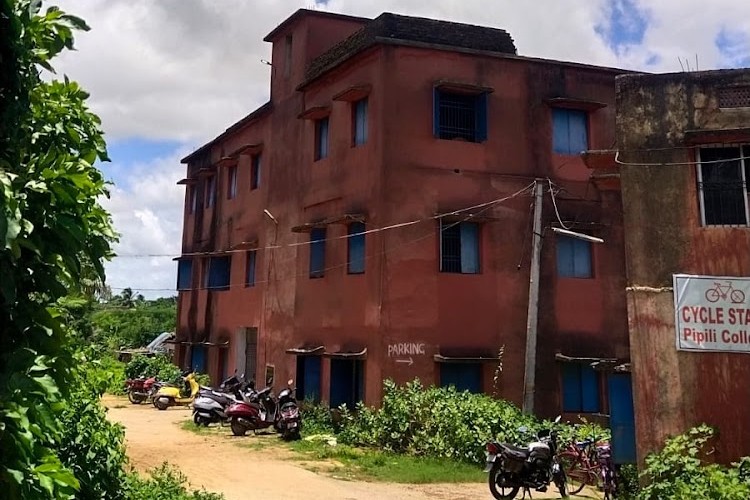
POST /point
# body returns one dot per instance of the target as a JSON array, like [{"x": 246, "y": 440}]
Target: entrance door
[
  {"x": 347, "y": 382},
  {"x": 251, "y": 353},
  {"x": 198, "y": 359},
  {"x": 622, "y": 418},
  {"x": 308, "y": 378}
]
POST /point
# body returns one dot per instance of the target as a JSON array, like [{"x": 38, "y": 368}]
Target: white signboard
[{"x": 711, "y": 313}]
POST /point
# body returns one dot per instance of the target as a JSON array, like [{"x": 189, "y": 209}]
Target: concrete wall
[{"x": 659, "y": 118}]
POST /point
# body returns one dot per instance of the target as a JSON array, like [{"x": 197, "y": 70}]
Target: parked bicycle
[{"x": 588, "y": 462}]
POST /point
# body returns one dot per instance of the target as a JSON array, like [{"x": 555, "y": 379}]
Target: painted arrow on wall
[{"x": 409, "y": 361}]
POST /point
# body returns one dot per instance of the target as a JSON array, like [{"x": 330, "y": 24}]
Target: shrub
[
  {"x": 679, "y": 471},
  {"x": 165, "y": 483},
  {"x": 159, "y": 366},
  {"x": 438, "y": 422},
  {"x": 316, "y": 418}
]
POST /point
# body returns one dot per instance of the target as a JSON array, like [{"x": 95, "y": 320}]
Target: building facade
[
  {"x": 683, "y": 156},
  {"x": 374, "y": 219}
]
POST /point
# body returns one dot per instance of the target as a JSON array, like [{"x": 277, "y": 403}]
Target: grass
[{"x": 368, "y": 464}]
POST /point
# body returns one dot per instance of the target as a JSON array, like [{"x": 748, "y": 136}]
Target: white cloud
[
  {"x": 147, "y": 211},
  {"x": 184, "y": 70}
]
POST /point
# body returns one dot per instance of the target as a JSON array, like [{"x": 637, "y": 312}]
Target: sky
[{"x": 167, "y": 76}]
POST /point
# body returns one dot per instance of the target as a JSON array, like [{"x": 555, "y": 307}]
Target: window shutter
[
  {"x": 578, "y": 130},
  {"x": 565, "y": 265},
  {"x": 581, "y": 259},
  {"x": 571, "y": 387},
  {"x": 560, "y": 131},
  {"x": 589, "y": 390},
  {"x": 469, "y": 247},
  {"x": 436, "y": 112},
  {"x": 356, "y": 243},
  {"x": 481, "y": 117},
  {"x": 184, "y": 274},
  {"x": 317, "y": 252}
]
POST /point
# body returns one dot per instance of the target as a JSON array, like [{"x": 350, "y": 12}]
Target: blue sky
[{"x": 165, "y": 80}]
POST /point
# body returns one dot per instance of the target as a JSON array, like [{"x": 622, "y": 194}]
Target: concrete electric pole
[{"x": 533, "y": 312}]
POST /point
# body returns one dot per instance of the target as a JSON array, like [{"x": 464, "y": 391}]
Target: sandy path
[{"x": 219, "y": 464}]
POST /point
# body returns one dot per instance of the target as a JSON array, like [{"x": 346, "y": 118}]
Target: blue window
[
  {"x": 219, "y": 271},
  {"x": 232, "y": 182},
  {"x": 308, "y": 378},
  {"x": 459, "y": 247},
  {"x": 184, "y": 274},
  {"x": 573, "y": 258},
  {"x": 198, "y": 358},
  {"x": 356, "y": 251},
  {"x": 250, "y": 268},
  {"x": 321, "y": 139},
  {"x": 580, "y": 388},
  {"x": 193, "y": 197},
  {"x": 255, "y": 172},
  {"x": 347, "y": 382},
  {"x": 317, "y": 252},
  {"x": 569, "y": 131},
  {"x": 210, "y": 191},
  {"x": 360, "y": 122},
  {"x": 460, "y": 116},
  {"x": 462, "y": 376}
]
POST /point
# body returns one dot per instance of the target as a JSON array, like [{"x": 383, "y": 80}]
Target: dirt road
[{"x": 219, "y": 464}]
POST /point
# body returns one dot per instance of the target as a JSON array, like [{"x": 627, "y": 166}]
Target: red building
[{"x": 313, "y": 247}]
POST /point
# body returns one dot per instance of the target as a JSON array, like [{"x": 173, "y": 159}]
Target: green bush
[
  {"x": 165, "y": 483},
  {"x": 159, "y": 366},
  {"x": 680, "y": 471},
  {"x": 437, "y": 422},
  {"x": 91, "y": 446},
  {"x": 316, "y": 418}
]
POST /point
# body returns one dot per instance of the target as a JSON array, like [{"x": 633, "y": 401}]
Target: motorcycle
[
  {"x": 210, "y": 406},
  {"x": 534, "y": 466},
  {"x": 257, "y": 410},
  {"x": 290, "y": 420},
  {"x": 140, "y": 389},
  {"x": 175, "y": 396}
]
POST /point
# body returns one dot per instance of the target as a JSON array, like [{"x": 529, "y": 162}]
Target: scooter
[
  {"x": 256, "y": 411},
  {"x": 290, "y": 420},
  {"x": 211, "y": 405},
  {"x": 174, "y": 396}
]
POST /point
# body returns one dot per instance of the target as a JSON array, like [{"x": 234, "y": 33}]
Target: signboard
[{"x": 711, "y": 313}]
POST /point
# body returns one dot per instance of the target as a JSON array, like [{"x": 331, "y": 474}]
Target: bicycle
[
  {"x": 581, "y": 465},
  {"x": 720, "y": 291}
]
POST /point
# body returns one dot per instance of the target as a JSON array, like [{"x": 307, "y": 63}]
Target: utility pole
[{"x": 532, "y": 318}]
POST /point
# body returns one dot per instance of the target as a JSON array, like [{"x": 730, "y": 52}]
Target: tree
[{"x": 51, "y": 228}]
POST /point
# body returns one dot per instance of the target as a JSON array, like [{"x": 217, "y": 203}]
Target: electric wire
[{"x": 485, "y": 206}]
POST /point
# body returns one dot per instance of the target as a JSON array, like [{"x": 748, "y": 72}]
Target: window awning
[
  {"x": 440, "y": 358},
  {"x": 315, "y": 113},
  {"x": 462, "y": 87},
  {"x": 245, "y": 245},
  {"x": 602, "y": 364},
  {"x": 723, "y": 136},
  {"x": 338, "y": 219},
  {"x": 353, "y": 93},
  {"x": 187, "y": 180},
  {"x": 465, "y": 217},
  {"x": 221, "y": 345},
  {"x": 575, "y": 103},
  {"x": 347, "y": 355},
  {"x": 307, "y": 351}
]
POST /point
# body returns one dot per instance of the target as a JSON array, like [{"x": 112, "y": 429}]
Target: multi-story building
[
  {"x": 373, "y": 219},
  {"x": 683, "y": 157}
]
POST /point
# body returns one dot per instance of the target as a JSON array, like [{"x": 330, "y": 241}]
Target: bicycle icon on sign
[{"x": 720, "y": 291}]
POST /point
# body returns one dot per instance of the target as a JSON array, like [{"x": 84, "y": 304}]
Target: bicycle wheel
[
  {"x": 577, "y": 472},
  {"x": 712, "y": 295},
  {"x": 737, "y": 296}
]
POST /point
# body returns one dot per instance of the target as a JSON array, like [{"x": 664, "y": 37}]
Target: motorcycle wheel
[
  {"x": 135, "y": 399},
  {"x": 237, "y": 428},
  {"x": 500, "y": 491},
  {"x": 198, "y": 420},
  {"x": 160, "y": 405}
]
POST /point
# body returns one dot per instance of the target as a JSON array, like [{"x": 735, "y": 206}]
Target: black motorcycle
[
  {"x": 290, "y": 420},
  {"x": 512, "y": 468}
]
